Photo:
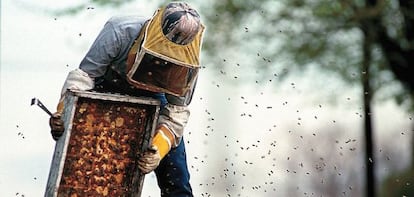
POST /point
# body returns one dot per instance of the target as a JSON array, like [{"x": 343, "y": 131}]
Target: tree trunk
[
  {"x": 412, "y": 146},
  {"x": 367, "y": 95}
]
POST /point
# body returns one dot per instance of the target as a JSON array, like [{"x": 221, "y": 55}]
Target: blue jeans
[{"x": 172, "y": 174}]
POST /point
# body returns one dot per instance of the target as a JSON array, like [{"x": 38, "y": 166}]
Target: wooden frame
[{"x": 97, "y": 154}]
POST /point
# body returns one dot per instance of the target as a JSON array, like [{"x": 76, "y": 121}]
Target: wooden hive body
[{"x": 97, "y": 154}]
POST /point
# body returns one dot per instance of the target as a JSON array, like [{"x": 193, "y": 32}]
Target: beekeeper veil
[{"x": 168, "y": 56}]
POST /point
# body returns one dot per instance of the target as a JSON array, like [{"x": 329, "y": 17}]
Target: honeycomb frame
[{"x": 98, "y": 152}]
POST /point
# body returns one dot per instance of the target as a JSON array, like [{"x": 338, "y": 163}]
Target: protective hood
[{"x": 162, "y": 65}]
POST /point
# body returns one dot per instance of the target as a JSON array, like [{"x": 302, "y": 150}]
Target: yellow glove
[{"x": 161, "y": 145}]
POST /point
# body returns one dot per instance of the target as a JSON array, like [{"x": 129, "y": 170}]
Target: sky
[{"x": 39, "y": 49}]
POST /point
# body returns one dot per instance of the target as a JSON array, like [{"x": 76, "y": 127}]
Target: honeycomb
[{"x": 101, "y": 158}]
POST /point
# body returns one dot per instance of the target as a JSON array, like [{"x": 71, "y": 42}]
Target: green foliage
[
  {"x": 311, "y": 32},
  {"x": 223, "y": 19},
  {"x": 317, "y": 32}
]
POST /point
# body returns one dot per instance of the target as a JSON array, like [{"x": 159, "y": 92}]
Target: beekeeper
[{"x": 157, "y": 57}]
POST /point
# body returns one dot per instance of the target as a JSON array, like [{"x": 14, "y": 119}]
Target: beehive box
[{"x": 97, "y": 154}]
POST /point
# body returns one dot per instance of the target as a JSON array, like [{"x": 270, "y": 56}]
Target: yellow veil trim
[{"x": 157, "y": 44}]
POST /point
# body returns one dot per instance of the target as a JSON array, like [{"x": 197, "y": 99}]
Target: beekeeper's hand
[
  {"x": 56, "y": 125},
  {"x": 149, "y": 160}
]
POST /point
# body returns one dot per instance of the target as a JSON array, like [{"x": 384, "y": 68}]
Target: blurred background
[{"x": 295, "y": 98}]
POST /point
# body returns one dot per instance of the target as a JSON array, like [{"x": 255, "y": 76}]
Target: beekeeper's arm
[{"x": 105, "y": 48}]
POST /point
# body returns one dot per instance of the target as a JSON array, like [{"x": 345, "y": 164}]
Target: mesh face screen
[{"x": 158, "y": 73}]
